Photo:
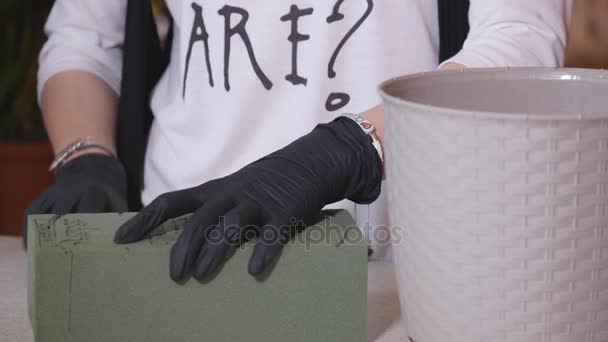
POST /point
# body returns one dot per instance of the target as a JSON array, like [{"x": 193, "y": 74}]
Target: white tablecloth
[{"x": 383, "y": 316}]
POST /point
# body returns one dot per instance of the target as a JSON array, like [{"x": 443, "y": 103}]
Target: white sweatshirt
[{"x": 276, "y": 69}]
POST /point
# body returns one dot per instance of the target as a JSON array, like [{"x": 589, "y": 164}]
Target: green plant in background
[
  {"x": 159, "y": 7},
  {"x": 21, "y": 37}
]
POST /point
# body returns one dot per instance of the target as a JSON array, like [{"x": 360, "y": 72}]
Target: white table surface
[{"x": 383, "y": 316}]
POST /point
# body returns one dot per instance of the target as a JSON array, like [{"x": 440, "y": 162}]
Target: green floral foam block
[{"x": 85, "y": 288}]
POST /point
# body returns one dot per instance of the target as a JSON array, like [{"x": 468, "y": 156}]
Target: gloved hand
[
  {"x": 91, "y": 183},
  {"x": 270, "y": 197}
]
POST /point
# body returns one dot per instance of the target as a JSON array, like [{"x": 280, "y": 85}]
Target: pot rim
[{"x": 512, "y": 73}]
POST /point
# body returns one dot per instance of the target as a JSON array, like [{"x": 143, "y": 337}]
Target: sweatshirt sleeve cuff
[{"x": 49, "y": 70}]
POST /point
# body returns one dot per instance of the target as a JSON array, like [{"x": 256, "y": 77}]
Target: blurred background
[
  {"x": 588, "y": 35},
  {"x": 25, "y": 153},
  {"x": 24, "y": 150}
]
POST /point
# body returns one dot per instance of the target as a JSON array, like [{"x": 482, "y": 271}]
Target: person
[
  {"x": 248, "y": 126},
  {"x": 588, "y": 35}
]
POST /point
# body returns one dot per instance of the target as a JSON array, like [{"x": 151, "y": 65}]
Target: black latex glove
[
  {"x": 91, "y": 183},
  {"x": 272, "y": 196}
]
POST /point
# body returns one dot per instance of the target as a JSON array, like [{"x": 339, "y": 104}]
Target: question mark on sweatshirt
[{"x": 336, "y": 101}]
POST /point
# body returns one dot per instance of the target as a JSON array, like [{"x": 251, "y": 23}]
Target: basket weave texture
[{"x": 500, "y": 226}]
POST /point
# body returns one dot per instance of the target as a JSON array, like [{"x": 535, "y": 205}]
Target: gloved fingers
[
  {"x": 65, "y": 203},
  {"x": 273, "y": 237},
  {"x": 92, "y": 201},
  {"x": 233, "y": 229},
  {"x": 40, "y": 205},
  {"x": 115, "y": 202},
  {"x": 185, "y": 251},
  {"x": 164, "y": 207}
]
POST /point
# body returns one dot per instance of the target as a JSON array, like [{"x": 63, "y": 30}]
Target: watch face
[
  {"x": 357, "y": 118},
  {"x": 362, "y": 122},
  {"x": 366, "y": 125}
]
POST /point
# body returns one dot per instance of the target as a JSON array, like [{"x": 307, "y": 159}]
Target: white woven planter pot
[{"x": 498, "y": 197}]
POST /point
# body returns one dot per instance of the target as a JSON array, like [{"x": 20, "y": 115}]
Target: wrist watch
[
  {"x": 79, "y": 145},
  {"x": 369, "y": 129}
]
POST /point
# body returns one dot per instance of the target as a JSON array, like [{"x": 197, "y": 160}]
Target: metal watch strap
[
  {"x": 369, "y": 129},
  {"x": 77, "y": 146}
]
